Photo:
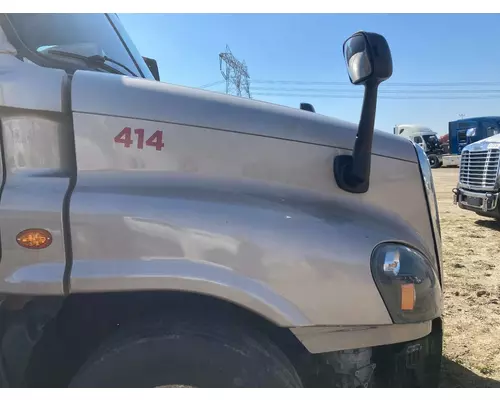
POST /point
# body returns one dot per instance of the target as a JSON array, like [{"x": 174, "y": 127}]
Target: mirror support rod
[
  {"x": 361, "y": 156},
  {"x": 352, "y": 172}
]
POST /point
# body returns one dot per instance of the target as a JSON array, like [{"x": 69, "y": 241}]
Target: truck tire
[
  {"x": 187, "y": 354},
  {"x": 434, "y": 161}
]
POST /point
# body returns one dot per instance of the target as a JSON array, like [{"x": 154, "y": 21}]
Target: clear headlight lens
[{"x": 407, "y": 282}]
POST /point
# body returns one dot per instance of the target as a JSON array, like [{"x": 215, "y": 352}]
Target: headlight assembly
[{"x": 407, "y": 282}]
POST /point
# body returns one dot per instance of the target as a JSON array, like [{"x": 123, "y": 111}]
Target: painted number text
[{"x": 125, "y": 137}]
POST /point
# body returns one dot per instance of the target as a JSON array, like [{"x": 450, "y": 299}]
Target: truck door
[{"x": 36, "y": 170}]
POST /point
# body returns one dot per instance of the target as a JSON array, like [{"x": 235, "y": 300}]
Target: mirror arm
[
  {"x": 364, "y": 139},
  {"x": 352, "y": 172}
]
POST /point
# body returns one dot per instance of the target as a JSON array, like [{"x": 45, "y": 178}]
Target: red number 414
[{"x": 125, "y": 138}]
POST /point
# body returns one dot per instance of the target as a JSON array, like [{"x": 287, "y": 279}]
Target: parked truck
[
  {"x": 460, "y": 134},
  {"x": 478, "y": 187},
  {"x": 154, "y": 235},
  {"x": 428, "y": 140},
  {"x": 470, "y": 130}
]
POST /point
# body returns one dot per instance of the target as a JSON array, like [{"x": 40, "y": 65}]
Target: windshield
[
  {"x": 430, "y": 138},
  {"x": 41, "y": 31},
  {"x": 492, "y": 128}
]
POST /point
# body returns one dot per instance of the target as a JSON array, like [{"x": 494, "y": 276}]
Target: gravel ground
[{"x": 471, "y": 253}]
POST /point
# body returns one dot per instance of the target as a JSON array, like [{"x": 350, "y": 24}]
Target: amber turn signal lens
[
  {"x": 407, "y": 297},
  {"x": 34, "y": 239}
]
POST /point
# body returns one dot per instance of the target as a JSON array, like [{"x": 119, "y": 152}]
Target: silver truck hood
[
  {"x": 121, "y": 96},
  {"x": 493, "y": 142}
]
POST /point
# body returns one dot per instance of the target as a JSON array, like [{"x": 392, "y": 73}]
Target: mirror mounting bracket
[{"x": 342, "y": 167}]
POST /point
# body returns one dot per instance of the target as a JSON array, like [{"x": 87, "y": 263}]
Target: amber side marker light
[
  {"x": 408, "y": 297},
  {"x": 34, "y": 239}
]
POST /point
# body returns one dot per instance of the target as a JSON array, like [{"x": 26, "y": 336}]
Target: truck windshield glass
[
  {"x": 432, "y": 142},
  {"x": 42, "y": 31},
  {"x": 492, "y": 130},
  {"x": 431, "y": 139}
]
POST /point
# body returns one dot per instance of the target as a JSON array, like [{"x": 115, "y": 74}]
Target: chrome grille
[{"x": 479, "y": 169}]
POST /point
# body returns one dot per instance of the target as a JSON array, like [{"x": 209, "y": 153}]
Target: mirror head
[{"x": 368, "y": 58}]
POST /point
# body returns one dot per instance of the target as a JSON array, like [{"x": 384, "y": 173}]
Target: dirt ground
[{"x": 471, "y": 254}]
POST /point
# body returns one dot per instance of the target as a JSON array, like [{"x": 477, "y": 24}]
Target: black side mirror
[
  {"x": 153, "y": 67},
  {"x": 369, "y": 63}
]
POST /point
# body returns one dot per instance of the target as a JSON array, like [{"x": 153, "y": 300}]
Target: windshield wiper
[{"x": 99, "y": 61}]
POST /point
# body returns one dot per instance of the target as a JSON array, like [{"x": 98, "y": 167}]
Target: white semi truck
[
  {"x": 154, "y": 235},
  {"x": 478, "y": 187},
  {"x": 428, "y": 140}
]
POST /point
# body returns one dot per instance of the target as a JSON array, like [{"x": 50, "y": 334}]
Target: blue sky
[{"x": 426, "y": 48}]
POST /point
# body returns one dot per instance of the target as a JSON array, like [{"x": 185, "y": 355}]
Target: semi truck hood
[
  {"x": 121, "y": 96},
  {"x": 493, "y": 142}
]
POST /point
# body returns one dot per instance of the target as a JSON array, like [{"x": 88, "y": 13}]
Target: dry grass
[{"x": 471, "y": 253}]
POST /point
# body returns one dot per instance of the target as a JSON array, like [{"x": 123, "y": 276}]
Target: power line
[
  {"x": 399, "y": 84},
  {"x": 382, "y": 96},
  {"x": 420, "y": 91},
  {"x": 211, "y": 84},
  {"x": 331, "y": 90}
]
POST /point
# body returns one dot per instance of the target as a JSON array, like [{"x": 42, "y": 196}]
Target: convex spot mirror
[{"x": 368, "y": 58}]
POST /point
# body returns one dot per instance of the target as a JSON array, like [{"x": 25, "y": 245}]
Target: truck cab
[
  {"x": 154, "y": 235},
  {"x": 470, "y": 130},
  {"x": 426, "y": 138}
]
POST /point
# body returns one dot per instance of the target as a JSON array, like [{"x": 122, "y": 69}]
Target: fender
[
  {"x": 274, "y": 250},
  {"x": 188, "y": 276}
]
